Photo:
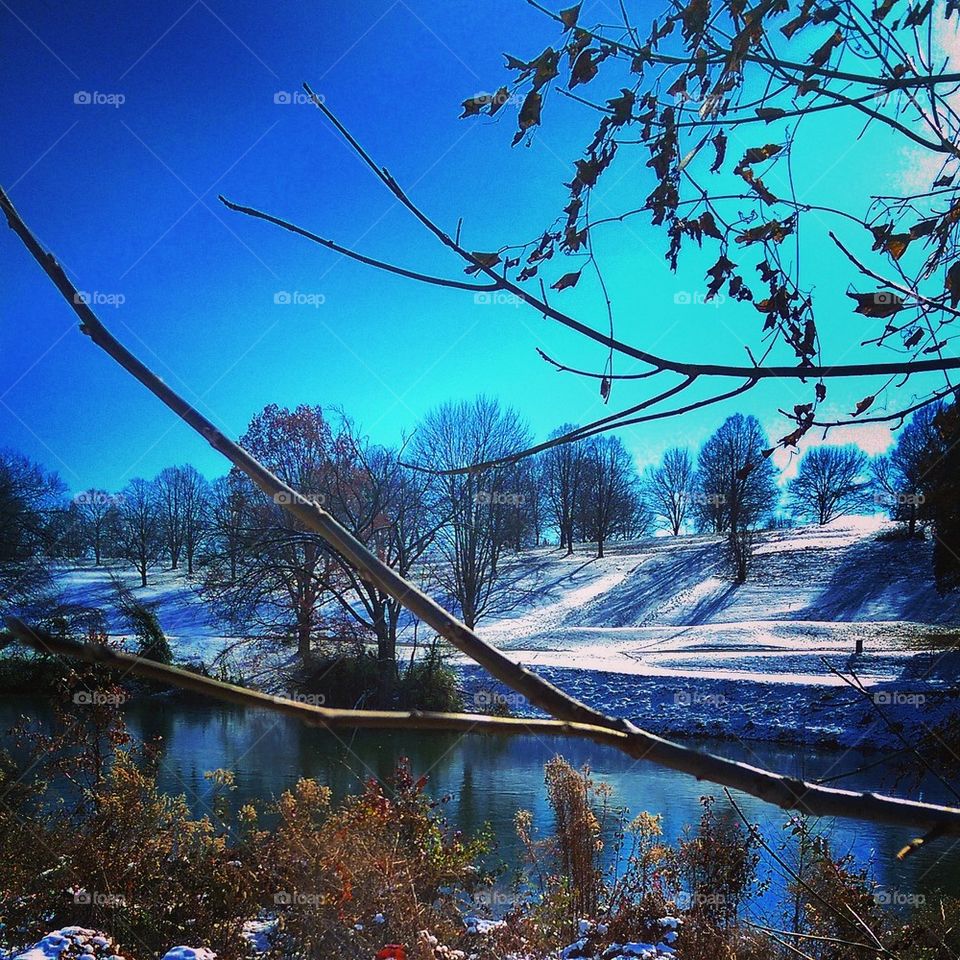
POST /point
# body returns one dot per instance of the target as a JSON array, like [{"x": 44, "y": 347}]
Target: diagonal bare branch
[{"x": 353, "y": 255}]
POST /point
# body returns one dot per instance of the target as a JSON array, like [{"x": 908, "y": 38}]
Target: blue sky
[{"x": 125, "y": 194}]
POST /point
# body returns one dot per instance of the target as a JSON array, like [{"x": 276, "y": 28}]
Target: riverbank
[{"x": 748, "y": 709}]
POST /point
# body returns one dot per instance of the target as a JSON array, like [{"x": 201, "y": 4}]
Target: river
[{"x": 489, "y": 778}]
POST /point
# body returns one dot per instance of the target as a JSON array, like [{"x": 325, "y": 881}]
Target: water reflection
[{"x": 489, "y": 778}]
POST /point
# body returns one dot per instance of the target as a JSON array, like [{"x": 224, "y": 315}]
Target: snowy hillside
[
  {"x": 654, "y": 632},
  {"x": 663, "y": 606}
]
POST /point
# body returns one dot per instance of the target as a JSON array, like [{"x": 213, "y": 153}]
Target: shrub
[
  {"x": 718, "y": 865},
  {"x": 113, "y": 853},
  {"x": 351, "y": 680},
  {"x": 376, "y": 869},
  {"x": 152, "y": 643}
]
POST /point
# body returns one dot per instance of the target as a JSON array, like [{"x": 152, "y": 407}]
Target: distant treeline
[{"x": 461, "y": 534}]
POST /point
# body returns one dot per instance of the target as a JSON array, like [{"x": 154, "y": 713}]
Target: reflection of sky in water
[{"x": 489, "y": 779}]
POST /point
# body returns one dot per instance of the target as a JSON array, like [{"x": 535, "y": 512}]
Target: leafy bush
[
  {"x": 718, "y": 865},
  {"x": 114, "y": 852}
]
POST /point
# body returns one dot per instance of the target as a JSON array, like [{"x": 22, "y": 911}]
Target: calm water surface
[{"x": 489, "y": 778}]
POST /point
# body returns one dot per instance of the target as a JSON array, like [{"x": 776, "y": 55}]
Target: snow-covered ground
[
  {"x": 662, "y": 607},
  {"x": 194, "y": 632},
  {"x": 78, "y": 943},
  {"x": 654, "y": 631}
]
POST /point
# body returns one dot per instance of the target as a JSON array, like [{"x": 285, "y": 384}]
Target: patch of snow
[
  {"x": 72, "y": 942},
  {"x": 189, "y": 953},
  {"x": 258, "y": 934},
  {"x": 480, "y": 925}
]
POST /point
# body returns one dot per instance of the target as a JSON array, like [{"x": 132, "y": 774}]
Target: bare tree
[
  {"x": 278, "y": 580},
  {"x": 708, "y": 502},
  {"x": 169, "y": 491},
  {"x": 97, "y": 510},
  {"x": 229, "y": 507},
  {"x": 520, "y": 519},
  {"x": 470, "y": 542},
  {"x": 831, "y": 482},
  {"x": 609, "y": 495},
  {"x": 195, "y": 503},
  {"x": 139, "y": 538},
  {"x": 184, "y": 497},
  {"x": 30, "y": 497},
  {"x": 902, "y": 476},
  {"x": 385, "y": 506},
  {"x": 70, "y": 537},
  {"x": 733, "y": 468},
  {"x": 563, "y": 476},
  {"x": 668, "y": 488},
  {"x": 281, "y": 581}
]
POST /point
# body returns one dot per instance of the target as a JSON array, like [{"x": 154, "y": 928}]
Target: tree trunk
[
  {"x": 303, "y": 637},
  {"x": 386, "y": 656}
]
